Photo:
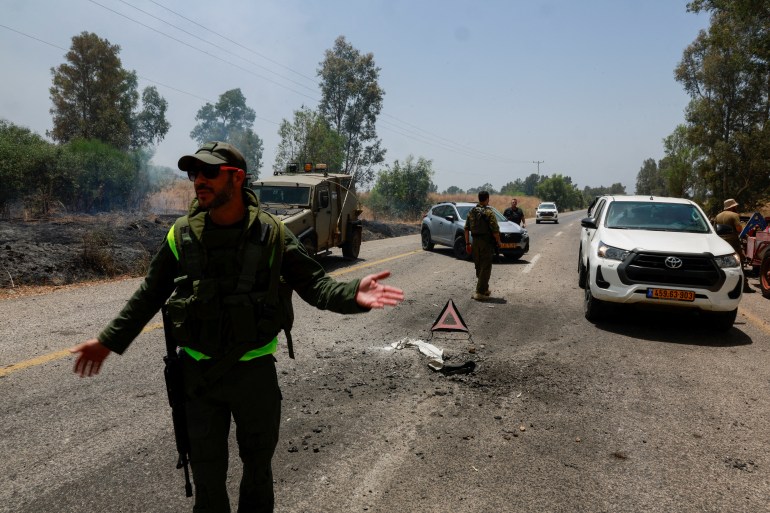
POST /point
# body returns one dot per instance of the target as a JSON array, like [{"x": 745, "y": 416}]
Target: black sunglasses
[{"x": 210, "y": 172}]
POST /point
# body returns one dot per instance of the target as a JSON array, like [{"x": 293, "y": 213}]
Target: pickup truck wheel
[
  {"x": 581, "y": 273},
  {"x": 352, "y": 247},
  {"x": 427, "y": 243},
  {"x": 459, "y": 248},
  {"x": 593, "y": 309},
  {"x": 764, "y": 275},
  {"x": 723, "y": 321}
]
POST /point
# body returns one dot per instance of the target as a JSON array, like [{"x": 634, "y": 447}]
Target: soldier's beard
[{"x": 221, "y": 197}]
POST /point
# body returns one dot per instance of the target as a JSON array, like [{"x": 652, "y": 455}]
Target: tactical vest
[
  {"x": 479, "y": 222},
  {"x": 242, "y": 308}
]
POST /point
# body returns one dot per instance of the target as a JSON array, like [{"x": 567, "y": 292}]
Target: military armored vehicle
[{"x": 319, "y": 207}]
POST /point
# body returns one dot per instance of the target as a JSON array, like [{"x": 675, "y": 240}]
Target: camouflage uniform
[
  {"x": 482, "y": 224},
  {"x": 249, "y": 392}
]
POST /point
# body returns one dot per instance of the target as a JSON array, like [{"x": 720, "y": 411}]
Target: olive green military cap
[{"x": 215, "y": 153}]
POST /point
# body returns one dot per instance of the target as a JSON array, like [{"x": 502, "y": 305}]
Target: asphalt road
[{"x": 646, "y": 413}]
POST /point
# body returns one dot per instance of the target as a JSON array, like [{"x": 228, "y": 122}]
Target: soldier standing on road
[
  {"x": 482, "y": 224},
  {"x": 216, "y": 264},
  {"x": 729, "y": 216},
  {"x": 515, "y": 214}
]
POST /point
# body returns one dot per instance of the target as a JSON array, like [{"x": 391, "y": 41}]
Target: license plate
[
  {"x": 508, "y": 245},
  {"x": 677, "y": 295}
]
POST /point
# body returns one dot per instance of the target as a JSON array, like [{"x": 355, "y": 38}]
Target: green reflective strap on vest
[
  {"x": 268, "y": 348},
  {"x": 171, "y": 238}
]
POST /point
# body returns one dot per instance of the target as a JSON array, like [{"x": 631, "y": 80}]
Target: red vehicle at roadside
[{"x": 757, "y": 233}]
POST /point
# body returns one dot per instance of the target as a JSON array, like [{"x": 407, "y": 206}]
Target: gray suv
[{"x": 445, "y": 224}]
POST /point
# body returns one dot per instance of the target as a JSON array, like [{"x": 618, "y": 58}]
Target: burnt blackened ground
[{"x": 74, "y": 249}]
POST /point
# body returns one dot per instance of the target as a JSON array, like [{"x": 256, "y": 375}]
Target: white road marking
[
  {"x": 558, "y": 234},
  {"x": 531, "y": 264}
]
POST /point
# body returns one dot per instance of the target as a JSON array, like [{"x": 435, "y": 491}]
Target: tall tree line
[
  {"x": 104, "y": 137},
  {"x": 723, "y": 148}
]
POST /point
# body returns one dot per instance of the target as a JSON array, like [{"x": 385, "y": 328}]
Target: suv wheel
[
  {"x": 427, "y": 244},
  {"x": 593, "y": 309},
  {"x": 459, "y": 248}
]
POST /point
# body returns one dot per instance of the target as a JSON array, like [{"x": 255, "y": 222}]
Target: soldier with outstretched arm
[{"x": 218, "y": 277}]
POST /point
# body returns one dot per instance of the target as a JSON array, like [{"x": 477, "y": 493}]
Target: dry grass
[{"x": 173, "y": 199}]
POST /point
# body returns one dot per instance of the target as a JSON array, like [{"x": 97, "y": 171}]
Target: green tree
[
  {"x": 515, "y": 188},
  {"x": 149, "y": 126},
  {"x": 351, "y": 100},
  {"x": 531, "y": 182},
  {"x": 589, "y": 193},
  {"x": 24, "y": 158},
  {"x": 677, "y": 167},
  {"x": 94, "y": 97},
  {"x": 726, "y": 72},
  {"x": 231, "y": 120},
  {"x": 650, "y": 180},
  {"x": 559, "y": 189},
  {"x": 486, "y": 187},
  {"x": 402, "y": 190},
  {"x": 104, "y": 177},
  {"x": 453, "y": 189},
  {"x": 308, "y": 139}
]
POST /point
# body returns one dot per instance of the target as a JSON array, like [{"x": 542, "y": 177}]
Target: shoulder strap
[{"x": 190, "y": 252}]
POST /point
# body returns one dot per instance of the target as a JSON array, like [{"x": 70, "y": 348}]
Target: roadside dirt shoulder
[{"x": 37, "y": 256}]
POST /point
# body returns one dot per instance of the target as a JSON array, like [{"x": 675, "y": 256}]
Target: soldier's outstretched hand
[
  {"x": 373, "y": 294},
  {"x": 91, "y": 354}
]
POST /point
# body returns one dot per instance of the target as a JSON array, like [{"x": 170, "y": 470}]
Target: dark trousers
[
  {"x": 249, "y": 394},
  {"x": 483, "y": 251}
]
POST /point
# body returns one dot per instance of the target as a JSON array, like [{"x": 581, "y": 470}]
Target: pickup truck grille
[{"x": 650, "y": 268}]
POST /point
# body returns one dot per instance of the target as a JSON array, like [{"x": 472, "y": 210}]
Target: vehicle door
[
  {"x": 587, "y": 234},
  {"x": 326, "y": 213},
  {"x": 442, "y": 224}
]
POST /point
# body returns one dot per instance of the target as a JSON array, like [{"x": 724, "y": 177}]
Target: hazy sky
[{"x": 481, "y": 88}]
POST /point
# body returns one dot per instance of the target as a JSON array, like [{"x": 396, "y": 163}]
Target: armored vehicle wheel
[{"x": 352, "y": 246}]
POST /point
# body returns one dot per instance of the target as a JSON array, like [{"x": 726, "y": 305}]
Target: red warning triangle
[{"x": 449, "y": 319}]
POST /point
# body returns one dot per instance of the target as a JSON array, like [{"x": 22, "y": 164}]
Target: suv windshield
[
  {"x": 289, "y": 195},
  {"x": 673, "y": 217},
  {"x": 462, "y": 211},
  {"x": 550, "y": 206}
]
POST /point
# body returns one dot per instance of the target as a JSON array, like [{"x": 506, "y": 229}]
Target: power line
[
  {"x": 217, "y": 57},
  {"x": 453, "y": 144},
  {"x": 414, "y": 132},
  {"x": 210, "y": 43}
]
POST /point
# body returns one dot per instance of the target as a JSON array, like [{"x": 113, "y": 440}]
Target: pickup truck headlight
[
  {"x": 725, "y": 261},
  {"x": 611, "y": 252}
]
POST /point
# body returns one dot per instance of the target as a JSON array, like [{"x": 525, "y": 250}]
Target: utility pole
[{"x": 538, "y": 162}]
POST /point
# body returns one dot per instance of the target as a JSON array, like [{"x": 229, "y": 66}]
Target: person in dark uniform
[
  {"x": 482, "y": 224},
  {"x": 730, "y": 217},
  {"x": 216, "y": 272},
  {"x": 515, "y": 214}
]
